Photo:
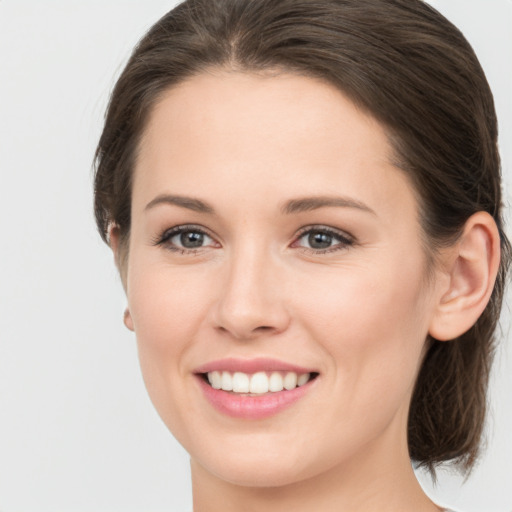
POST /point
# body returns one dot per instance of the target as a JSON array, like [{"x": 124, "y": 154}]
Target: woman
[{"x": 303, "y": 199}]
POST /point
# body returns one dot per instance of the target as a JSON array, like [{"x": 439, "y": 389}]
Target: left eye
[{"x": 322, "y": 239}]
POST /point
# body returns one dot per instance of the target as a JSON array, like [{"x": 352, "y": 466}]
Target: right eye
[{"x": 186, "y": 239}]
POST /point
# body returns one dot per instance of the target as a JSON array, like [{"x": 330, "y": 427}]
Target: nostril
[
  {"x": 264, "y": 328},
  {"x": 250, "y": 333}
]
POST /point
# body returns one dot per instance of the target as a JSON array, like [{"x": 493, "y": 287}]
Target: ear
[
  {"x": 472, "y": 265},
  {"x": 114, "y": 239},
  {"x": 127, "y": 319}
]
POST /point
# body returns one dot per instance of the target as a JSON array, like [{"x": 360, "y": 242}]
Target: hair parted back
[{"x": 408, "y": 67}]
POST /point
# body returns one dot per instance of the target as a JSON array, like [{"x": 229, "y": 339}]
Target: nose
[{"x": 251, "y": 302}]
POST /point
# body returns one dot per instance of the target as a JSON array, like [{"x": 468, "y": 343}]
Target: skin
[{"x": 247, "y": 144}]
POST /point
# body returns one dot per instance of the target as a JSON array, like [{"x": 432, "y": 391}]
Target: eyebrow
[
  {"x": 185, "y": 202},
  {"x": 303, "y": 204},
  {"x": 306, "y": 204}
]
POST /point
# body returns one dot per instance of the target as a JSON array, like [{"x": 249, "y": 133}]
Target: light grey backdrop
[{"x": 77, "y": 431}]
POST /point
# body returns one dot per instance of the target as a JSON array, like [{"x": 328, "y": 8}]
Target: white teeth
[
  {"x": 257, "y": 383},
  {"x": 215, "y": 380},
  {"x": 227, "y": 381},
  {"x": 290, "y": 381},
  {"x": 303, "y": 379},
  {"x": 275, "y": 383},
  {"x": 240, "y": 382}
]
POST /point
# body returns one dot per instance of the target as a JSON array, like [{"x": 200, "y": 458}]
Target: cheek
[
  {"x": 168, "y": 307},
  {"x": 166, "y": 302},
  {"x": 372, "y": 323}
]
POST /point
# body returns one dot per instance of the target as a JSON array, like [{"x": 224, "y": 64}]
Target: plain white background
[{"x": 77, "y": 431}]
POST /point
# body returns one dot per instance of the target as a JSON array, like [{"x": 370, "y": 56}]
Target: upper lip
[{"x": 259, "y": 364}]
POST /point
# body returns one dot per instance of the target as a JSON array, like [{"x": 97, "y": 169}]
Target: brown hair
[{"x": 411, "y": 69}]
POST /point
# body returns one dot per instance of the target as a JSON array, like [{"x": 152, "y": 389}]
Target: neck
[{"x": 378, "y": 479}]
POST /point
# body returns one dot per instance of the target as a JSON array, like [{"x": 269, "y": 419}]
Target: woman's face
[{"x": 272, "y": 238}]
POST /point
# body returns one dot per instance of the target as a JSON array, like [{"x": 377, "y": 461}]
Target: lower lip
[{"x": 253, "y": 407}]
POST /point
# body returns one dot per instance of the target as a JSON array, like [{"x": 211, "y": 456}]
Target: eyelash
[
  {"x": 166, "y": 236},
  {"x": 344, "y": 239}
]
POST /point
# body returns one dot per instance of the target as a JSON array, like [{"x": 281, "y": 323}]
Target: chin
[
  {"x": 261, "y": 473},
  {"x": 257, "y": 461}
]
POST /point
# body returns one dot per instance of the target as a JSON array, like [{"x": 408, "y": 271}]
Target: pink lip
[
  {"x": 260, "y": 364},
  {"x": 251, "y": 407}
]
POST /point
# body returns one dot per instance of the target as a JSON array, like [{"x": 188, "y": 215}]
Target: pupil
[
  {"x": 190, "y": 239},
  {"x": 320, "y": 240}
]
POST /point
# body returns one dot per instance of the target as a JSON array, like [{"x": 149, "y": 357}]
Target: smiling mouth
[{"x": 258, "y": 383}]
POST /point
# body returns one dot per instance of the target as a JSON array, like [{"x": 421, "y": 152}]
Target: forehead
[
  {"x": 223, "y": 106},
  {"x": 246, "y": 131}
]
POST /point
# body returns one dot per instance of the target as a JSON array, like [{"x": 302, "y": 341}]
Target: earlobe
[
  {"x": 127, "y": 319},
  {"x": 114, "y": 239},
  {"x": 472, "y": 265}
]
